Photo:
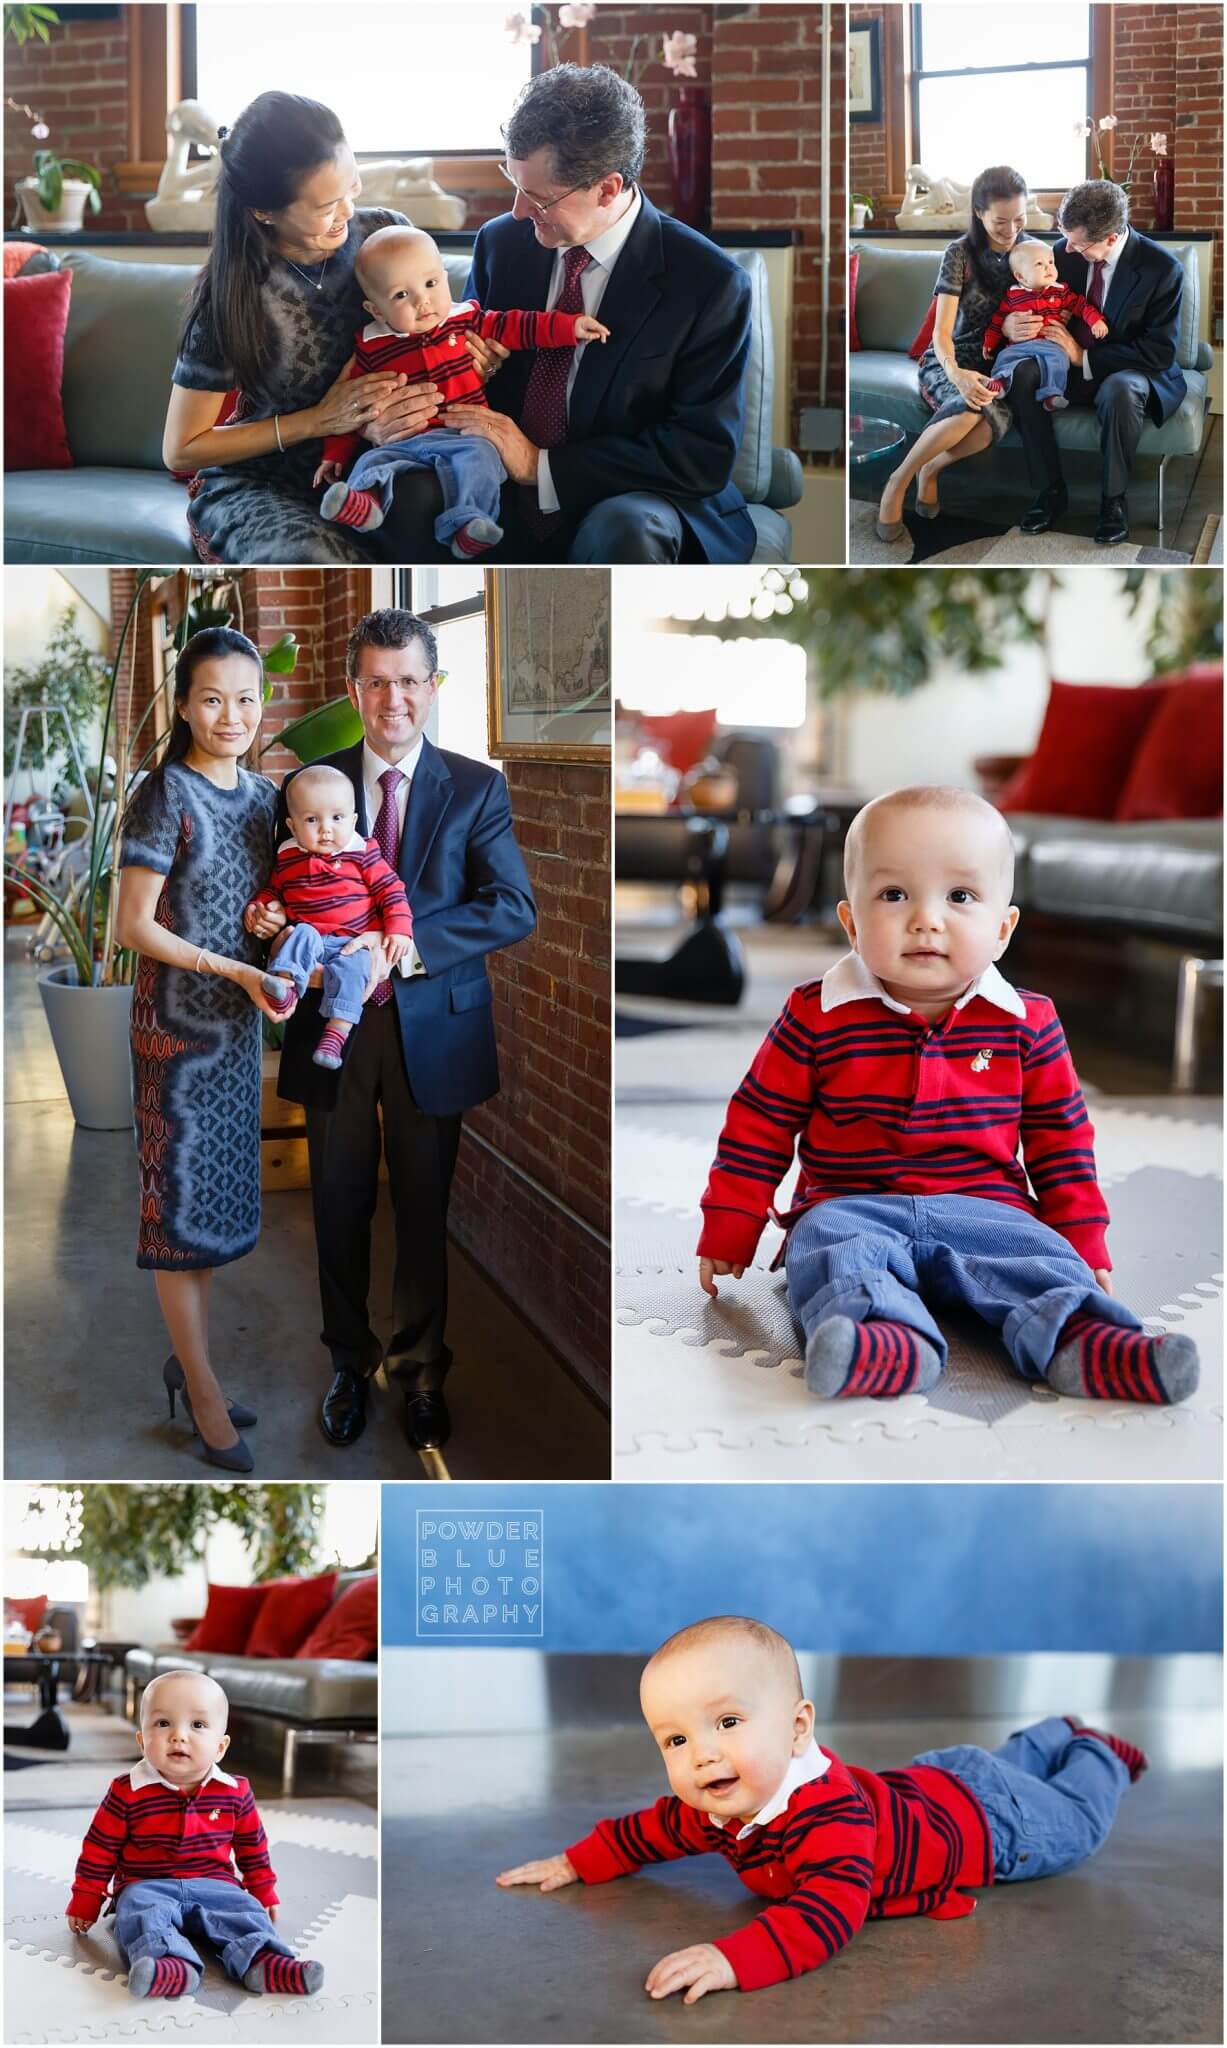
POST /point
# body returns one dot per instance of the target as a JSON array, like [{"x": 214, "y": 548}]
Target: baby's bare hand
[
  {"x": 588, "y": 329},
  {"x": 395, "y": 947},
  {"x": 708, "y": 1268},
  {"x": 79, "y": 1926},
  {"x": 1103, "y": 1279},
  {"x": 704, "y": 1968},
  {"x": 548, "y": 1873}
]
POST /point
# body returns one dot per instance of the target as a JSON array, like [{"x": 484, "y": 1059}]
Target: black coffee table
[{"x": 49, "y": 1668}]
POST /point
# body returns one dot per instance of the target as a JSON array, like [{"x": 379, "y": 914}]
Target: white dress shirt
[
  {"x": 373, "y": 766},
  {"x": 604, "y": 251},
  {"x": 1110, "y": 262}
]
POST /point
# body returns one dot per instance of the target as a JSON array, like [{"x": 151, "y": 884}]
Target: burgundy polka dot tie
[
  {"x": 1095, "y": 290},
  {"x": 387, "y": 838},
  {"x": 544, "y": 415}
]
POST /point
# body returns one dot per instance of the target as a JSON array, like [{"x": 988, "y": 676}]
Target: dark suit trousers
[
  {"x": 1119, "y": 402},
  {"x": 636, "y": 526},
  {"x": 343, "y": 1145}
]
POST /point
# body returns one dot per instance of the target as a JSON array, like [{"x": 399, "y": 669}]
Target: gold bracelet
[{"x": 277, "y": 431}]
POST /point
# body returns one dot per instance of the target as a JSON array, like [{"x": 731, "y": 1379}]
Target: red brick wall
[
  {"x": 77, "y": 82},
  {"x": 547, "y": 1245}
]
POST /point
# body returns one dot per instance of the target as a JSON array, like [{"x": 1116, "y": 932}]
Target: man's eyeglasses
[
  {"x": 540, "y": 210},
  {"x": 379, "y": 686}
]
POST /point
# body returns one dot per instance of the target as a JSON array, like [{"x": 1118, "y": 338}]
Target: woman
[
  {"x": 197, "y": 844},
  {"x": 260, "y": 377},
  {"x": 954, "y": 376}
]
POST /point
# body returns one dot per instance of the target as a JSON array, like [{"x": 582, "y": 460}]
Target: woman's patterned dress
[{"x": 977, "y": 305}]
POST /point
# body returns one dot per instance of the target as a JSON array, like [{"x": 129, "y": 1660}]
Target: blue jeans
[
  {"x": 469, "y": 468},
  {"x": 344, "y": 979},
  {"x": 154, "y": 1918},
  {"x": 1052, "y": 359},
  {"x": 874, "y": 1255},
  {"x": 1050, "y": 1796}
]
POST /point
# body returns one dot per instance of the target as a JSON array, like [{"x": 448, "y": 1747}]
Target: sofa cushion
[
  {"x": 894, "y": 289},
  {"x": 1177, "y": 771},
  {"x": 95, "y": 515},
  {"x": 288, "y": 1613},
  {"x": 120, "y": 349},
  {"x": 1083, "y": 755},
  {"x": 228, "y": 1619},
  {"x": 350, "y": 1629},
  {"x": 35, "y": 316},
  {"x": 1163, "y": 879},
  {"x": 300, "y": 1689}
]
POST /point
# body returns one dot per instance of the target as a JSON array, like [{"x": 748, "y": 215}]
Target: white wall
[{"x": 145, "y": 1616}]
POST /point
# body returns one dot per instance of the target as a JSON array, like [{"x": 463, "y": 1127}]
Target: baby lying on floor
[
  {"x": 166, "y": 1839},
  {"x": 830, "y": 1844}
]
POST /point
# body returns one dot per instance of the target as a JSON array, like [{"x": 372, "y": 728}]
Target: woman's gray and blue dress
[
  {"x": 266, "y": 509},
  {"x": 959, "y": 279},
  {"x": 196, "y": 1037}
]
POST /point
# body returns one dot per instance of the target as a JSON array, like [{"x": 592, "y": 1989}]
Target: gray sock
[
  {"x": 1174, "y": 1363},
  {"x": 906, "y": 1363},
  {"x": 267, "y": 1969}
]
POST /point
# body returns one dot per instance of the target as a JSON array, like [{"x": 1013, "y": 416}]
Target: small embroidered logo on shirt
[
  {"x": 981, "y": 1061},
  {"x": 216, "y": 1813}
]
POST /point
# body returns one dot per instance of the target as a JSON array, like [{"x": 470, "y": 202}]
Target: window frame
[{"x": 918, "y": 72}]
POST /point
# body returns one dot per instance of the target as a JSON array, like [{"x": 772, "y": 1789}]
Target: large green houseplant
[{"x": 132, "y": 1534}]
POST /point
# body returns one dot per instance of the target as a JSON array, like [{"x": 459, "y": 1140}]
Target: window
[
  {"x": 453, "y": 601},
  {"x": 404, "y": 81},
  {"x": 1021, "y": 109}
]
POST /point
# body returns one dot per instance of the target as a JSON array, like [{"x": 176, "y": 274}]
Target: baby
[
  {"x": 831, "y": 1844},
  {"x": 334, "y": 885},
  {"x": 416, "y": 328},
  {"x": 911, "y": 1072},
  {"x": 166, "y": 1839},
  {"x": 1038, "y": 289}
]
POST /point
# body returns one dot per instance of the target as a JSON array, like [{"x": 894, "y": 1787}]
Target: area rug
[
  {"x": 1209, "y": 543},
  {"x": 953, "y": 540}
]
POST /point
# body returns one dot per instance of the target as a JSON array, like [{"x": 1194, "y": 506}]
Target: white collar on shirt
[
  {"x": 850, "y": 981},
  {"x": 354, "y": 844},
  {"x": 802, "y": 1770},
  {"x": 1110, "y": 261},
  {"x": 374, "y": 765},
  {"x": 144, "y": 1774},
  {"x": 606, "y": 248}
]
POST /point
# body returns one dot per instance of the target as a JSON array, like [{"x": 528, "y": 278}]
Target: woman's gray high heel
[{"x": 173, "y": 1381}]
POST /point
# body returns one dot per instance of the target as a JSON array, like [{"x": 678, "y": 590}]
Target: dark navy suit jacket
[
  {"x": 1143, "y": 316},
  {"x": 660, "y": 406},
  {"x": 469, "y": 892}
]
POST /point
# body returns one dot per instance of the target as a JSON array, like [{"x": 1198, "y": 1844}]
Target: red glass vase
[
  {"x": 690, "y": 157},
  {"x": 1165, "y": 192}
]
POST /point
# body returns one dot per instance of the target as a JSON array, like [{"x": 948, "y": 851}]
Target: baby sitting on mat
[
  {"x": 912, "y": 1073},
  {"x": 1038, "y": 289},
  {"x": 828, "y": 1844},
  {"x": 166, "y": 1840}
]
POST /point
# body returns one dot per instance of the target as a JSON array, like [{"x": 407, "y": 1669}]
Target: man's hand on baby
[
  {"x": 548, "y": 1873},
  {"x": 265, "y": 919},
  {"x": 708, "y": 1269},
  {"x": 327, "y": 473},
  {"x": 374, "y": 943},
  {"x": 517, "y": 452},
  {"x": 702, "y": 1968},
  {"x": 588, "y": 329},
  {"x": 1022, "y": 326}
]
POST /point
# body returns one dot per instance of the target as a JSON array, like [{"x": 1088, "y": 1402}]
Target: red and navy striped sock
[
  {"x": 281, "y": 993},
  {"x": 351, "y": 508},
  {"x": 288, "y": 1975},
  {"x": 161, "y": 1977},
  {"x": 845, "y": 1359},
  {"x": 1103, "y": 1362},
  {"x": 331, "y": 1048},
  {"x": 1134, "y": 1759}
]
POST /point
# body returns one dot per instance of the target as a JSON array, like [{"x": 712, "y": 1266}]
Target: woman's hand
[
  {"x": 548, "y": 1873},
  {"x": 252, "y": 979},
  {"x": 976, "y": 389},
  {"x": 407, "y": 413},
  {"x": 488, "y": 356},
  {"x": 349, "y": 405}
]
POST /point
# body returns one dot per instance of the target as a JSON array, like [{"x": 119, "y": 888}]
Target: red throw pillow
[
  {"x": 351, "y": 1628},
  {"x": 35, "y": 317},
  {"x": 291, "y": 1609},
  {"x": 854, "y": 271},
  {"x": 28, "y": 1612},
  {"x": 228, "y": 1619},
  {"x": 18, "y": 254},
  {"x": 925, "y": 335},
  {"x": 683, "y": 737},
  {"x": 1084, "y": 752},
  {"x": 1177, "y": 771}
]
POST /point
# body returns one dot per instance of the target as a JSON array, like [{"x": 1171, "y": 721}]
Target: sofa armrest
[
  {"x": 784, "y": 488},
  {"x": 1205, "y": 356}
]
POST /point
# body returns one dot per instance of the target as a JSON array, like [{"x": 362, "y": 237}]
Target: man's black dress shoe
[
  {"x": 1048, "y": 506},
  {"x": 427, "y": 1422},
  {"x": 343, "y": 1414},
  {"x": 1113, "y": 524}
]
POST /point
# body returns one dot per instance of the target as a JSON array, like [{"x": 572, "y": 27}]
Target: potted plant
[
  {"x": 56, "y": 196},
  {"x": 860, "y": 209},
  {"x": 89, "y": 999}
]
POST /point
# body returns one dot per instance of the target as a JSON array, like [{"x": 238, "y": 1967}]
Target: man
[
  {"x": 424, "y": 1050},
  {"x": 1129, "y": 377},
  {"x": 622, "y": 451}
]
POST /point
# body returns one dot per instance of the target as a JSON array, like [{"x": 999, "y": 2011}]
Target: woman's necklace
[{"x": 316, "y": 282}]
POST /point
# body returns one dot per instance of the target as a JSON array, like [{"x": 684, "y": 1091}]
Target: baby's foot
[
  {"x": 475, "y": 538},
  {"x": 274, "y": 1972},
  {"x": 162, "y": 1977},
  {"x": 331, "y": 1049},
  {"x": 1134, "y": 1759},
  {"x": 1056, "y": 403},
  {"x": 281, "y": 993},
  {"x": 1103, "y": 1362},
  {"x": 844, "y": 1358},
  {"x": 351, "y": 508}
]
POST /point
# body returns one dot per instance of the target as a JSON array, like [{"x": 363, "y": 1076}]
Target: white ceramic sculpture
[
  {"x": 930, "y": 202},
  {"x": 408, "y": 184}
]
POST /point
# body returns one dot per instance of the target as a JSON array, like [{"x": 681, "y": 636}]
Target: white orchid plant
[
  {"x": 678, "y": 51},
  {"x": 1090, "y": 131}
]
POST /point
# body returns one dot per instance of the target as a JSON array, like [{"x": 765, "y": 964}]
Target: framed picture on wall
[
  {"x": 548, "y": 664},
  {"x": 865, "y": 72}
]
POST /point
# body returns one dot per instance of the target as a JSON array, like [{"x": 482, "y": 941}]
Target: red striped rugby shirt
[
  {"x": 836, "y": 1846},
  {"x": 339, "y": 894},
  {"x": 148, "y": 1828},
  {"x": 884, "y": 1102},
  {"x": 442, "y": 357}
]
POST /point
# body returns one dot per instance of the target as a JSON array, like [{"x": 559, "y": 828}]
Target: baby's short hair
[
  {"x": 733, "y": 1627},
  {"x": 1023, "y": 252},
  {"x": 298, "y": 789},
  {"x": 183, "y": 1671},
  {"x": 926, "y": 797},
  {"x": 384, "y": 242}
]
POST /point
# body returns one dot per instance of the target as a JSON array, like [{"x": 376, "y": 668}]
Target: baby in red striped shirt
[
  {"x": 338, "y": 892},
  {"x": 165, "y": 1842},
  {"x": 907, "y": 1079}
]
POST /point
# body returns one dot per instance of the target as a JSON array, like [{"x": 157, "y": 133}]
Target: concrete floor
[
  {"x": 1125, "y": 1949},
  {"x": 84, "y": 1342}
]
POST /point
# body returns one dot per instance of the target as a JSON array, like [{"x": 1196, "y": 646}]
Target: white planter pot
[
  {"x": 89, "y": 1030},
  {"x": 69, "y": 219},
  {"x": 860, "y": 215}
]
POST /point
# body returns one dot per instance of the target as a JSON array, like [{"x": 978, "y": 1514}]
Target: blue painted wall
[{"x": 869, "y": 1570}]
